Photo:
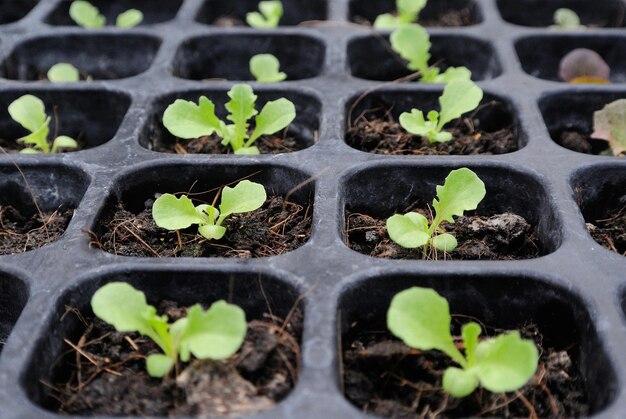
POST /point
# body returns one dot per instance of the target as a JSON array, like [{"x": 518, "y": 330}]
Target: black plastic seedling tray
[{"x": 576, "y": 290}]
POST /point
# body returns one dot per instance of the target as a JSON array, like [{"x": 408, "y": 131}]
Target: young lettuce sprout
[
  {"x": 266, "y": 69},
  {"x": 421, "y": 318},
  {"x": 408, "y": 12},
  {"x": 609, "y": 124},
  {"x": 63, "y": 73},
  {"x": 462, "y": 191},
  {"x": 88, "y": 16},
  {"x": 459, "y": 97},
  {"x": 412, "y": 43},
  {"x": 583, "y": 65},
  {"x": 30, "y": 112},
  {"x": 566, "y": 19},
  {"x": 267, "y": 17},
  {"x": 174, "y": 213},
  {"x": 213, "y": 334},
  {"x": 187, "y": 120}
]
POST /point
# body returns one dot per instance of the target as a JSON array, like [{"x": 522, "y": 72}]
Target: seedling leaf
[
  {"x": 241, "y": 108},
  {"x": 29, "y": 111},
  {"x": 266, "y": 69},
  {"x": 583, "y": 65},
  {"x": 408, "y": 12},
  {"x": 246, "y": 196},
  {"x": 129, "y": 19},
  {"x": 86, "y": 15},
  {"x": 507, "y": 363},
  {"x": 459, "y": 382},
  {"x": 412, "y": 42},
  {"x": 609, "y": 124},
  {"x": 275, "y": 116},
  {"x": 409, "y": 230},
  {"x": 459, "y": 97},
  {"x": 462, "y": 191},
  {"x": 174, "y": 213},
  {"x": 566, "y": 19},
  {"x": 63, "y": 73},
  {"x": 185, "y": 119},
  {"x": 158, "y": 365},
  {"x": 269, "y": 16},
  {"x": 63, "y": 141},
  {"x": 217, "y": 333},
  {"x": 444, "y": 242}
]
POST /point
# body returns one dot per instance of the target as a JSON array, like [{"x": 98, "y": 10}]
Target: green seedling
[
  {"x": 88, "y": 16},
  {"x": 407, "y": 12},
  {"x": 267, "y": 17},
  {"x": 609, "y": 124},
  {"x": 185, "y": 119},
  {"x": 566, "y": 19},
  {"x": 458, "y": 98},
  {"x": 30, "y": 112},
  {"x": 421, "y": 318},
  {"x": 462, "y": 191},
  {"x": 582, "y": 65},
  {"x": 266, "y": 69},
  {"x": 174, "y": 213},
  {"x": 63, "y": 73},
  {"x": 412, "y": 43},
  {"x": 213, "y": 334}
]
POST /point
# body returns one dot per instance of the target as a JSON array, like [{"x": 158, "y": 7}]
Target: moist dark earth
[
  {"x": 504, "y": 236},
  {"x": 385, "y": 135},
  {"x": 20, "y": 233},
  {"x": 611, "y": 231},
  {"x": 267, "y": 144},
  {"x": 583, "y": 143},
  {"x": 384, "y": 377},
  {"x": 276, "y": 228},
  {"x": 261, "y": 374}
]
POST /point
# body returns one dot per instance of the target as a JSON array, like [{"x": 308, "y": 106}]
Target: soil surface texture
[
  {"x": 499, "y": 237},
  {"x": 20, "y": 233},
  {"x": 385, "y": 135},
  {"x": 211, "y": 144},
  {"x": 583, "y": 143},
  {"x": 448, "y": 18},
  {"x": 611, "y": 232},
  {"x": 384, "y": 377},
  {"x": 276, "y": 228},
  {"x": 113, "y": 381}
]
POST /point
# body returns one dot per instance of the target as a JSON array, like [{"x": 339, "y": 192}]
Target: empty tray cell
[
  {"x": 13, "y": 296},
  {"x": 381, "y": 376},
  {"x": 515, "y": 219},
  {"x": 12, "y": 10},
  {"x": 569, "y": 118},
  {"x": 436, "y": 13},
  {"x": 282, "y": 223},
  {"x": 540, "y": 13},
  {"x": 228, "y": 56},
  {"x": 300, "y": 134},
  {"x": 98, "y": 57},
  {"x": 540, "y": 56},
  {"x": 37, "y": 204},
  {"x": 601, "y": 194},
  {"x": 154, "y": 11},
  {"x": 92, "y": 117},
  {"x": 372, "y": 58},
  {"x": 373, "y": 125},
  {"x": 268, "y": 361},
  {"x": 233, "y": 13}
]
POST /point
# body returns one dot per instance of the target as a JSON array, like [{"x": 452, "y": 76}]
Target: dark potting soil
[
  {"x": 113, "y": 381},
  {"x": 276, "y": 228},
  {"x": 499, "y": 237},
  {"x": 267, "y": 144},
  {"x": 20, "y": 233},
  {"x": 448, "y": 18},
  {"x": 583, "y": 143},
  {"x": 611, "y": 232},
  {"x": 385, "y": 135},
  {"x": 384, "y": 377}
]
